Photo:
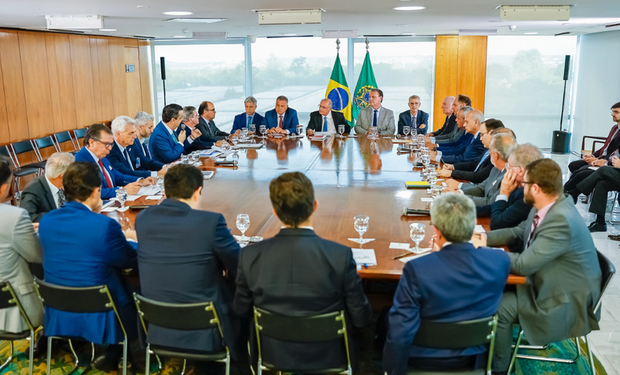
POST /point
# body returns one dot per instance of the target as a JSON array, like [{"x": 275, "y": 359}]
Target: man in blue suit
[
  {"x": 98, "y": 142},
  {"x": 456, "y": 283},
  {"x": 165, "y": 146},
  {"x": 468, "y": 151},
  {"x": 193, "y": 272},
  {"x": 83, "y": 248},
  {"x": 250, "y": 116},
  {"x": 126, "y": 156},
  {"x": 281, "y": 119},
  {"x": 414, "y": 118},
  {"x": 193, "y": 141}
]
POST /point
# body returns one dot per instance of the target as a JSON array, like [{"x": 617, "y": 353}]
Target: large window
[
  {"x": 195, "y": 73},
  {"x": 524, "y": 84},
  {"x": 401, "y": 69},
  {"x": 298, "y": 68}
]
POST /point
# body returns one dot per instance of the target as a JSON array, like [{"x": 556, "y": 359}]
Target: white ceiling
[{"x": 368, "y": 17}]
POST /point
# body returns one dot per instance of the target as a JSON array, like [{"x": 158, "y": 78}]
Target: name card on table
[{"x": 364, "y": 257}]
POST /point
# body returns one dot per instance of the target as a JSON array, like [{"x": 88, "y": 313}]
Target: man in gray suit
[
  {"x": 210, "y": 132},
  {"x": 19, "y": 245},
  {"x": 559, "y": 260},
  {"x": 375, "y": 115}
]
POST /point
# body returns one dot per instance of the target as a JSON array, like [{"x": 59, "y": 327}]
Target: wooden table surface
[{"x": 351, "y": 176}]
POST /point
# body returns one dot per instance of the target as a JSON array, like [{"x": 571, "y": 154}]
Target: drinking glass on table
[
  {"x": 421, "y": 139},
  {"x": 244, "y": 133},
  {"x": 360, "y": 223},
  {"x": 299, "y": 129},
  {"x": 341, "y": 130},
  {"x": 253, "y": 129},
  {"x": 406, "y": 131},
  {"x": 373, "y": 131},
  {"x": 262, "y": 130},
  {"x": 243, "y": 224},
  {"x": 121, "y": 196},
  {"x": 414, "y": 132},
  {"x": 417, "y": 232},
  {"x": 195, "y": 157},
  {"x": 184, "y": 159},
  {"x": 234, "y": 139}
]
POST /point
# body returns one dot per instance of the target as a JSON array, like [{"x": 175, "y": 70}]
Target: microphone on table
[
  {"x": 415, "y": 212},
  {"x": 225, "y": 162}
]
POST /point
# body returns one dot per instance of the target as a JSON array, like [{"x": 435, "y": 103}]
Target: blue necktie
[
  {"x": 128, "y": 159},
  {"x": 249, "y": 120},
  {"x": 324, "y": 123},
  {"x": 374, "y": 119},
  {"x": 175, "y": 138},
  {"x": 484, "y": 157}
]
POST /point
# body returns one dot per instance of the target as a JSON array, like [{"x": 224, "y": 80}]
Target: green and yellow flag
[
  {"x": 365, "y": 83},
  {"x": 338, "y": 91}
]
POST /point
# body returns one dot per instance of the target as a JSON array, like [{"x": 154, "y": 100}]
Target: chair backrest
[
  {"x": 608, "y": 270},
  {"x": 181, "y": 316},
  {"x": 21, "y": 147},
  {"x": 79, "y": 134},
  {"x": 63, "y": 137},
  {"x": 8, "y": 299},
  {"x": 90, "y": 299},
  {"x": 457, "y": 335},
  {"x": 42, "y": 143}
]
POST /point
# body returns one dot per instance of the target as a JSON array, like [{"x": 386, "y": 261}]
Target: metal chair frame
[
  {"x": 59, "y": 141},
  {"x": 17, "y": 169},
  {"x": 6, "y": 287},
  {"x": 39, "y": 145},
  {"x": 79, "y": 134}
]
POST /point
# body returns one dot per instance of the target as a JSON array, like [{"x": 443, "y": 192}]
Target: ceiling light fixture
[
  {"x": 179, "y": 36},
  {"x": 107, "y": 29},
  {"x": 196, "y": 20},
  {"x": 178, "y": 13},
  {"x": 410, "y": 8}
]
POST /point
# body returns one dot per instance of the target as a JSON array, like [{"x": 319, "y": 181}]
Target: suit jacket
[
  {"x": 385, "y": 122},
  {"x": 19, "y": 245},
  {"x": 506, "y": 214},
  {"x": 449, "y": 125},
  {"x": 404, "y": 119},
  {"x": 203, "y": 248},
  {"x": 241, "y": 121},
  {"x": 298, "y": 274},
  {"x": 143, "y": 149},
  {"x": 468, "y": 152},
  {"x": 460, "y": 143},
  {"x": 613, "y": 145},
  {"x": 467, "y": 170},
  {"x": 37, "y": 199},
  {"x": 82, "y": 248},
  {"x": 190, "y": 146},
  {"x": 289, "y": 122},
  {"x": 210, "y": 132},
  {"x": 164, "y": 148},
  {"x": 316, "y": 122},
  {"x": 455, "y": 136},
  {"x": 118, "y": 178},
  {"x": 562, "y": 270},
  {"x": 141, "y": 166},
  {"x": 457, "y": 283},
  {"x": 484, "y": 194}
]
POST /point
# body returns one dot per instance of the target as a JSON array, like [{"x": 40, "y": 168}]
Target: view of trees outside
[{"x": 524, "y": 84}]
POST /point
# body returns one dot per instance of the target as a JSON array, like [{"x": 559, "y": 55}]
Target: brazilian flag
[
  {"x": 365, "y": 83},
  {"x": 338, "y": 91}
]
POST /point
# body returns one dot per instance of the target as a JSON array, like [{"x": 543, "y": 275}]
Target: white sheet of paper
[
  {"x": 154, "y": 197},
  {"x": 593, "y": 168},
  {"x": 365, "y": 256},
  {"x": 131, "y": 198},
  {"x": 424, "y": 199},
  {"x": 251, "y": 146},
  {"x": 149, "y": 190},
  {"x": 400, "y": 246},
  {"x": 108, "y": 209},
  {"x": 407, "y": 259},
  {"x": 479, "y": 229}
]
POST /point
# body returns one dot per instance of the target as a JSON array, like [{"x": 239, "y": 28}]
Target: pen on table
[{"x": 365, "y": 265}]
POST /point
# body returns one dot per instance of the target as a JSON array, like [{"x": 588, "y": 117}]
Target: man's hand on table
[
  {"x": 162, "y": 171},
  {"x": 148, "y": 181},
  {"x": 130, "y": 234},
  {"x": 509, "y": 183},
  {"x": 449, "y": 167},
  {"x": 444, "y": 173},
  {"x": 479, "y": 239},
  {"x": 133, "y": 188},
  {"x": 310, "y": 132},
  {"x": 452, "y": 185}
]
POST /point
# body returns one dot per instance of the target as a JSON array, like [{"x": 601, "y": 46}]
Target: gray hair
[
  {"x": 415, "y": 97},
  {"x": 454, "y": 215},
  {"x": 143, "y": 118},
  {"x": 58, "y": 163},
  {"x": 466, "y": 110},
  {"x": 250, "y": 99},
  {"x": 503, "y": 144},
  {"x": 188, "y": 112},
  {"x": 525, "y": 154},
  {"x": 478, "y": 115},
  {"x": 327, "y": 100},
  {"x": 120, "y": 123}
]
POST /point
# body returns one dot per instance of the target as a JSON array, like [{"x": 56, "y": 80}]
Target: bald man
[
  {"x": 326, "y": 119},
  {"x": 470, "y": 150},
  {"x": 210, "y": 132}
]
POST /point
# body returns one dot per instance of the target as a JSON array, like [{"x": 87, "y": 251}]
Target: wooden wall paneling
[
  {"x": 119, "y": 85},
  {"x": 472, "y": 67},
  {"x": 145, "y": 76},
  {"x": 446, "y": 60},
  {"x": 66, "y": 88},
  {"x": 4, "y": 120},
  {"x": 96, "y": 81},
  {"x": 36, "y": 84},
  {"x": 134, "y": 90},
  {"x": 105, "y": 80},
  {"x": 13, "y": 86},
  {"x": 52, "y": 69},
  {"x": 82, "y": 80}
]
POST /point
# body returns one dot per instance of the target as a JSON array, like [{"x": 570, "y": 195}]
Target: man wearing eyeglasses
[{"x": 98, "y": 142}]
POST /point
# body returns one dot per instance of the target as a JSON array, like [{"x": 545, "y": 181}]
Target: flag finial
[
  {"x": 367, "y": 44},
  {"x": 338, "y": 45}
]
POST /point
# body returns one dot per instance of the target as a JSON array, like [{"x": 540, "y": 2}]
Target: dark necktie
[
  {"x": 374, "y": 119},
  {"x": 145, "y": 150},
  {"x": 105, "y": 174},
  {"x": 324, "y": 123},
  {"x": 280, "y": 125},
  {"x": 534, "y": 226},
  {"x": 128, "y": 160},
  {"x": 61, "y": 198}
]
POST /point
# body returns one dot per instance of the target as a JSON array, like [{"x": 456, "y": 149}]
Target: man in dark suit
[
  {"x": 282, "y": 119},
  {"x": 206, "y": 125},
  {"x": 45, "y": 193},
  {"x": 456, "y": 132},
  {"x": 144, "y": 128},
  {"x": 468, "y": 151},
  {"x": 456, "y": 283},
  {"x": 250, "y": 116},
  {"x": 124, "y": 155},
  {"x": 450, "y": 122},
  {"x": 83, "y": 248},
  {"x": 193, "y": 272},
  {"x": 298, "y": 274},
  {"x": 560, "y": 262},
  {"x": 98, "y": 142},
  {"x": 326, "y": 120},
  {"x": 192, "y": 140},
  {"x": 164, "y": 144},
  {"x": 415, "y": 118}
]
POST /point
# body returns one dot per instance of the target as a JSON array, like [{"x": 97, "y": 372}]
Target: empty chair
[
  {"x": 42, "y": 144},
  {"x": 63, "y": 137},
  {"x": 23, "y": 147},
  {"x": 79, "y": 135},
  {"x": 18, "y": 172}
]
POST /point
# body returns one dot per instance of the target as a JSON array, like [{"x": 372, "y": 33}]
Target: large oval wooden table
[{"x": 351, "y": 176}]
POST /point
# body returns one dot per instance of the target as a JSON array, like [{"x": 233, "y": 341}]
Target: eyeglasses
[
  {"x": 107, "y": 145},
  {"x": 209, "y": 110}
]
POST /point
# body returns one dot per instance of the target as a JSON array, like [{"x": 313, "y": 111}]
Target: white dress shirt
[
  {"x": 54, "y": 190},
  {"x": 330, "y": 123}
]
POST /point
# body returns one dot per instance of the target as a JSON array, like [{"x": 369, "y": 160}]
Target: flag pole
[{"x": 338, "y": 46}]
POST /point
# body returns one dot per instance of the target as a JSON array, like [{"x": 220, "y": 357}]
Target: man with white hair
[
  {"x": 45, "y": 193},
  {"x": 125, "y": 155},
  {"x": 144, "y": 123},
  {"x": 326, "y": 119},
  {"x": 468, "y": 151}
]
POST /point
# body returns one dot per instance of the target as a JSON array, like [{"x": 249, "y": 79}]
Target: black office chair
[
  {"x": 18, "y": 172},
  {"x": 79, "y": 135},
  {"x": 607, "y": 273},
  {"x": 457, "y": 335},
  {"x": 43, "y": 143},
  {"x": 93, "y": 299},
  {"x": 186, "y": 316},
  {"x": 8, "y": 299},
  {"x": 312, "y": 329},
  {"x": 63, "y": 137}
]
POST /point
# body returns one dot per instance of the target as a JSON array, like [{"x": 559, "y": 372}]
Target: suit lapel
[{"x": 48, "y": 192}]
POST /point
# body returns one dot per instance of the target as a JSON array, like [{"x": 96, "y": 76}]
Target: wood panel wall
[
  {"x": 460, "y": 68},
  {"x": 51, "y": 82}
]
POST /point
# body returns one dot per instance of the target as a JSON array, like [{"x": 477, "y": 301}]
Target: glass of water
[
  {"x": 195, "y": 158},
  {"x": 253, "y": 129},
  {"x": 184, "y": 159},
  {"x": 263, "y": 130},
  {"x": 121, "y": 196},
  {"x": 360, "y": 223},
  {"x": 414, "y": 133},
  {"x": 243, "y": 224},
  {"x": 341, "y": 130},
  {"x": 299, "y": 129},
  {"x": 234, "y": 139},
  {"x": 244, "y": 133},
  {"x": 406, "y": 131},
  {"x": 417, "y": 232}
]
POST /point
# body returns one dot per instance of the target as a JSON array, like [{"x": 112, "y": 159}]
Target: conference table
[{"x": 351, "y": 176}]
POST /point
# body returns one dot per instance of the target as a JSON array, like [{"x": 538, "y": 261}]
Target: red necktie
[
  {"x": 534, "y": 226},
  {"x": 611, "y": 136},
  {"x": 280, "y": 124},
  {"x": 107, "y": 178}
]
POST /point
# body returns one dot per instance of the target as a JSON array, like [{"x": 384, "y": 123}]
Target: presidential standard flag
[
  {"x": 338, "y": 91},
  {"x": 365, "y": 83}
]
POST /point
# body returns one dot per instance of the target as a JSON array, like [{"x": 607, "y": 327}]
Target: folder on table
[{"x": 417, "y": 184}]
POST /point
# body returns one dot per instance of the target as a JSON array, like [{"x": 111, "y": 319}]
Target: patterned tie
[
  {"x": 324, "y": 123},
  {"x": 534, "y": 226},
  {"x": 128, "y": 160},
  {"x": 280, "y": 125},
  {"x": 105, "y": 174},
  {"x": 61, "y": 198},
  {"x": 374, "y": 119}
]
